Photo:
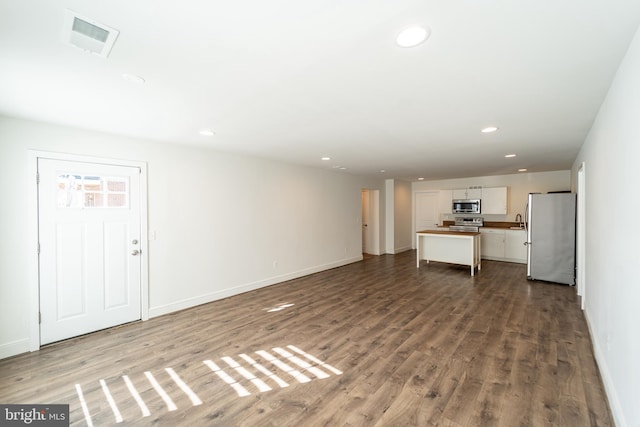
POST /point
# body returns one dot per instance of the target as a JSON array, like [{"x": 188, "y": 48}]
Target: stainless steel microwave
[{"x": 469, "y": 206}]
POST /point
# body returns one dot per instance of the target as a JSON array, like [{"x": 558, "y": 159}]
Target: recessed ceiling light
[
  {"x": 342, "y": 168},
  {"x": 207, "y": 132},
  {"x": 326, "y": 159},
  {"x": 413, "y": 36},
  {"x": 133, "y": 78},
  {"x": 489, "y": 129},
  {"x": 420, "y": 179},
  {"x": 382, "y": 171},
  {"x": 522, "y": 170},
  {"x": 509, "y": 155}
]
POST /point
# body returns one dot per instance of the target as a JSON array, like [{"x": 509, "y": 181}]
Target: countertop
[
  {"x": 451, "y": 233},
  {"x": 507, "y": 225}
]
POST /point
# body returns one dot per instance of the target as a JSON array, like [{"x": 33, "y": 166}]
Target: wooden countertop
[
  {"x": 489, "y": 224},
  {"x": 451, "y": 233}
]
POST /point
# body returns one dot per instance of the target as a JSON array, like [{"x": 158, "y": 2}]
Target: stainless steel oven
[
  {"x": 467, "y": 224},
  {"x": 470, "y": 206}
]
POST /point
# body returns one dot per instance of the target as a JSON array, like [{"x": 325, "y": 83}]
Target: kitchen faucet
[{"x": 519, "y": 218}]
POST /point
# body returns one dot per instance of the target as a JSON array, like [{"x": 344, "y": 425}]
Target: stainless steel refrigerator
[{"x": 550, "y": 220}]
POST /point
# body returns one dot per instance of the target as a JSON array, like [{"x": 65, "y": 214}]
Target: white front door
[
  {"x": 89, "y": 238},
  {"x": 365, "y": 221}
]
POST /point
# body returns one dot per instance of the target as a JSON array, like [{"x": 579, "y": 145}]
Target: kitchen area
[{"x": 500, "y": 217}]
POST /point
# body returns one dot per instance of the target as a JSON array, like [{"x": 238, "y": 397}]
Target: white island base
[{"x": 455, "y": 247}]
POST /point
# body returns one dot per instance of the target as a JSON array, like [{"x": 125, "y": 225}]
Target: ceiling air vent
[{"x": 88, "y": 34}]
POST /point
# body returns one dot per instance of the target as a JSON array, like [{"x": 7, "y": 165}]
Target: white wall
[
  {"x": 402, "y": 216},
  {"x": 221, "y": 220},
  {"x": 389, "y": 210},
  {"x": 398, "y": 216},
  {"x": 612, "y": 282},
  {"x": 519, "y": 186}
]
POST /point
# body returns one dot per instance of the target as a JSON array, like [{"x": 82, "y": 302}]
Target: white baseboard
[
  {"x": 213, "y": 296},
  {"x": 402, "y": 249},
  {"x": 515, "y": 260},
  {"x": 609, "y": 388},
  {"x": 14, "y": 348},
  {"x": 23, "y": 345}
]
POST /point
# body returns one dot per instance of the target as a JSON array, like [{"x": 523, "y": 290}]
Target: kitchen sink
[{"x": 516, "y": 228}]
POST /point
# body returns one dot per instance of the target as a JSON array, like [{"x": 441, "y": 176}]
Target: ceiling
[{"x": 298, "y": 80}]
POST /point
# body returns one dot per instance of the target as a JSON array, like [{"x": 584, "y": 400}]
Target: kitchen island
[{"x": 455, "y": 247}]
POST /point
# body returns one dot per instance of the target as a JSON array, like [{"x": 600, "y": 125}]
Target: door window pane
[
  {"x": 90, "y": 191},
  {"x": 117, "y": 200}
]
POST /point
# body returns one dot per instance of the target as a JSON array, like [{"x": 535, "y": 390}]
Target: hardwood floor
[{"x": 408, "y": 347}]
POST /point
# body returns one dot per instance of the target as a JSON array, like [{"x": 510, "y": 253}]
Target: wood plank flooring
[{"x": 409, "y": 347}]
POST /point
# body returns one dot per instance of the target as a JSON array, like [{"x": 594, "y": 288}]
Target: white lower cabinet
[
  {"x": 500, "y": 244},
  {"x": 492, "y": 243},
  {"x": 514, "y": 248}
]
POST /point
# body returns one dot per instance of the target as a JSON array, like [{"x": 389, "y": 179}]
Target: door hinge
[
  {"x": 39, "y": 318},
  {"x": 38, "y": 248},
  {"x": 37, "y": 177}
]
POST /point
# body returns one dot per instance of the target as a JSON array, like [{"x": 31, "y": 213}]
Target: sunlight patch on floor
[{"x": 247, "y": 372}]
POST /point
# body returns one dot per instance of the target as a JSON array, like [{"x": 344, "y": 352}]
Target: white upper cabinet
[
  {"x": 444, "y": 201},
  {"x": 467, "y": 193},
  {"x": 494, "y": 200},
  {"x": 460, "y": 193},
  {"x": 474, "y": 193}
]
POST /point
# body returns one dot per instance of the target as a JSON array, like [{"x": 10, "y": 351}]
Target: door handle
[{"x": 135, "y": 252}]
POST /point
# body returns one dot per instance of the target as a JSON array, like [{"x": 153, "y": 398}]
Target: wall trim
[
  {"x": 402, "y": 249},
  {"x": 213, "y": 296},
  {"x": 14, "y": 348},
  {"x": 609, "y": 386}
]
